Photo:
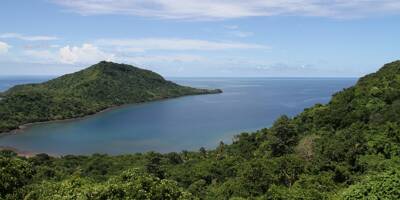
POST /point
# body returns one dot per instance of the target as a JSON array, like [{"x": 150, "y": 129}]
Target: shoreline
[
  {"x": 28, "y": 125},
  {"x": 22, "y": 153}
]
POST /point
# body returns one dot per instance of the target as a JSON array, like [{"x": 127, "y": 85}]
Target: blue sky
[{"x": 190, "y": 38}]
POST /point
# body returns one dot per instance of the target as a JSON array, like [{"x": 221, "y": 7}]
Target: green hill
[
  {"x": 96, "y": 88},
  {"x": 347, "y": 149}
]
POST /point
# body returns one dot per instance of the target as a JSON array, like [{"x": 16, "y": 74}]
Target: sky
[{"x": 207, "y": 38}]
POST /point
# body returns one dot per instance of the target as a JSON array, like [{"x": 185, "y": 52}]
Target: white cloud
[
  {"x": 27, "y": 37},
  {"x": 235, "y": 31},
  {"x": 225, "y": 9},
  {"x": 4, "y": 47},
  {"x": 242, "y": 34},
  {"x": 231, "y": 27},
  {"x": 86, "y": 54},
  {"x": 140, "y": 45}
]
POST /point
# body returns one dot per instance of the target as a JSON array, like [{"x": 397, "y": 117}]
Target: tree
[
  {"x": 14, "y": 174},
  {"x": 153, "y": 165},
  {"x": 282, "y": 137}
]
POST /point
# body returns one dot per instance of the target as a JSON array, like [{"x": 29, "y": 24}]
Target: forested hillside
[
  {"x": 346, "y": 149},
  {"x": 86, "y": 92}
]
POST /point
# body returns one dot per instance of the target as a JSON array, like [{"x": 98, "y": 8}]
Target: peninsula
[{"x": 99, "y": 87}]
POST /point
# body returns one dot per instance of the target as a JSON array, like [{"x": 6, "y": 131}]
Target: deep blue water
[{"x": 185, "y": 123}]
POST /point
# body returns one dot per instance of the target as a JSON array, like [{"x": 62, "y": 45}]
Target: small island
[{"x": 86, "y": 92}]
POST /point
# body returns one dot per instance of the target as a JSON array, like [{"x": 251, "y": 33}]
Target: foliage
[
  {"x": 131, "y": 184},
  {"x": 381, "y": 186},
  {"x": 14, "y": 174}
]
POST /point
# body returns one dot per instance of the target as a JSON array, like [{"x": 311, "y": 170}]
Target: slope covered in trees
[
  {"x": 346, "y": 149},
  {"x": 96, "y": 88}
]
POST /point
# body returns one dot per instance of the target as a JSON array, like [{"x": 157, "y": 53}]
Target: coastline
[{"x": 19, "y": 152}]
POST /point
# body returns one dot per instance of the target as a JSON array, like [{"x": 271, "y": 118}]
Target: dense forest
[
  {"x": 346, "y": 149},
  {"x": 86, "y": 92}
]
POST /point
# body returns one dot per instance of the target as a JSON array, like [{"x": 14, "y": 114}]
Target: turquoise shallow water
[{"x": 185, "y": 123}]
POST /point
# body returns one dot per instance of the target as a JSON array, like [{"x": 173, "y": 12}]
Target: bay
[{"x": 185, "y": 123}]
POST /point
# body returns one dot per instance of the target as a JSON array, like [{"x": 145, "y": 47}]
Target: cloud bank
[
  {"x": 228, "y": 9},
  {"x": 129, "y": 50}
]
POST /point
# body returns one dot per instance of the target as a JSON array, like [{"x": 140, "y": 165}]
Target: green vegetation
[
  {"x": 347, "y": 149},
  {"x": 86, "y": 92}
]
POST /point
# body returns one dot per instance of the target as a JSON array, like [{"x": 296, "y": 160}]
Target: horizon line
[{"x": 44, "y": 75}]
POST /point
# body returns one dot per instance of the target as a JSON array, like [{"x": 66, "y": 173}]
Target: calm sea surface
[{"x": 185, "y": 123}]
